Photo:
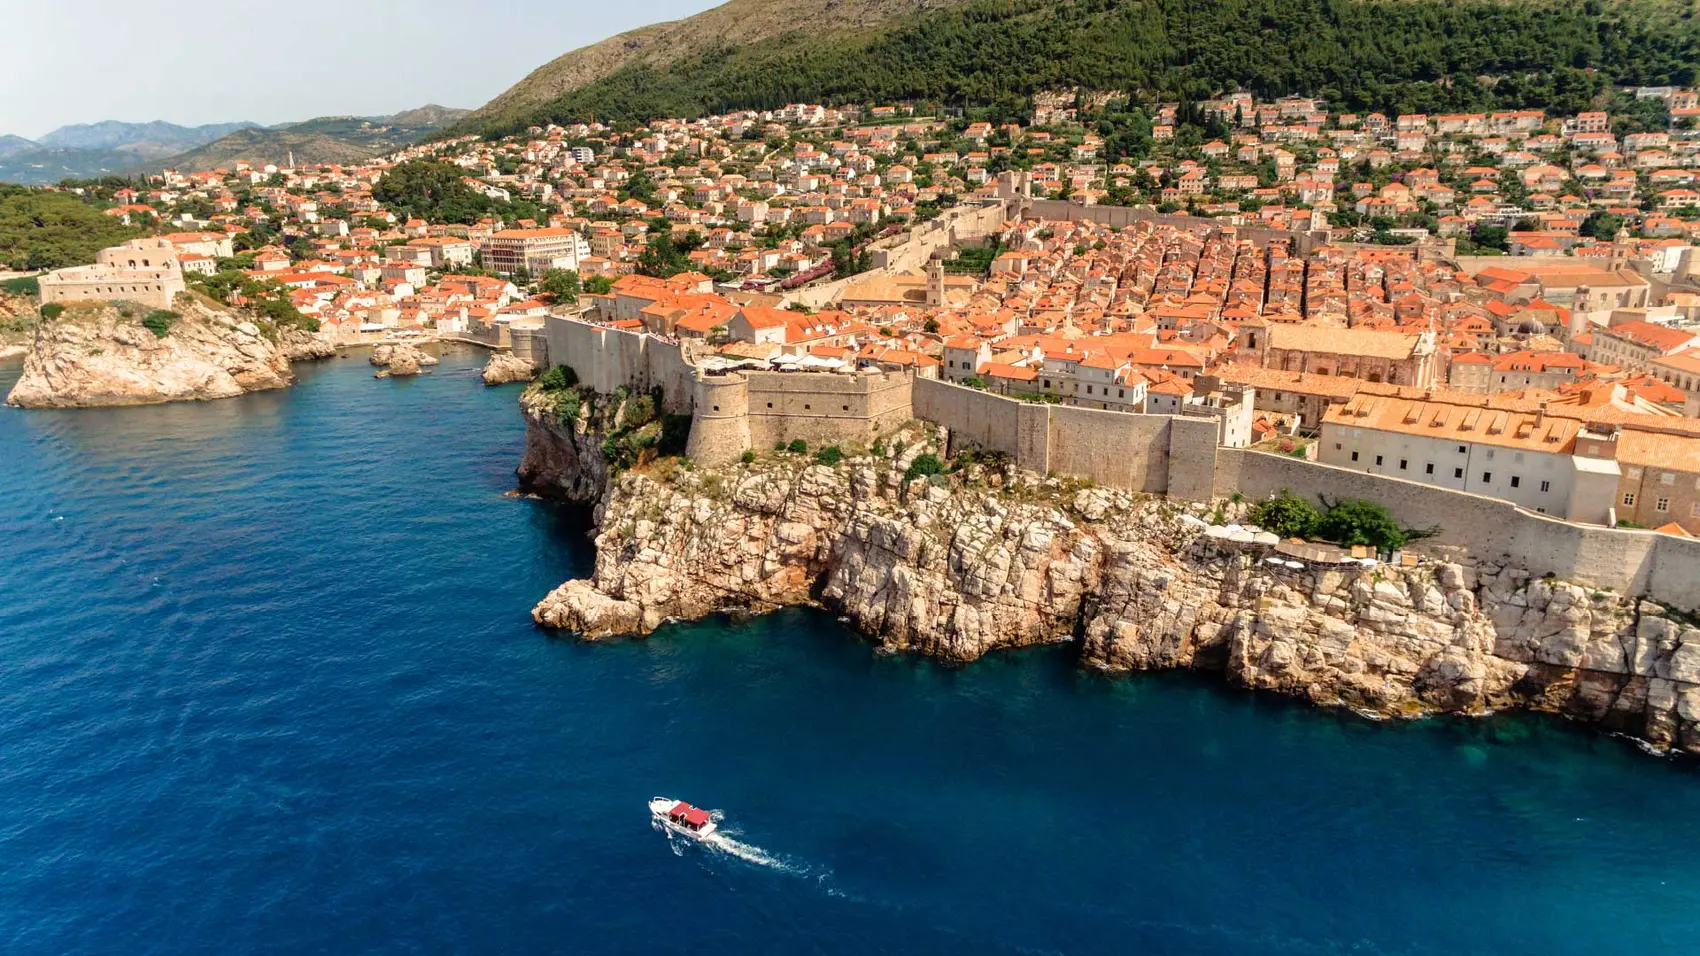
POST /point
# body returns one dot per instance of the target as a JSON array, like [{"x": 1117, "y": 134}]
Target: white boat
[{"x": 682, "y": 818}]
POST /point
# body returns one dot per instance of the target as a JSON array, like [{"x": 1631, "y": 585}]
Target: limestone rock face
[
  {"x": 400, "y": 360},
  {"x": 993, "y": 558},
  {"x": 563, "y": 459},
  {"x": 505, "y": 367},
  {"x": 100, "y": 354},
  {"x": 300, "y": 345}
]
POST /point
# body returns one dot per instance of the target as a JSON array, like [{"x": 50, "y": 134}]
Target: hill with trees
[
  {"x": 733, "y": 24},
  {"x": 1393, "y": 55},
  {"x": 50, "y": 230}
]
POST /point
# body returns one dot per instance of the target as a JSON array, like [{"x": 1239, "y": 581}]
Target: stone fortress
[{"x": 141, "y": 270}]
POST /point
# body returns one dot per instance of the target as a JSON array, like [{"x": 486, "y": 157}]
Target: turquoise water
[{"x": 268, "y": 684}]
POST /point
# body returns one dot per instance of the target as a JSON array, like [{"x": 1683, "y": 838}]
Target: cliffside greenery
[
  {"x": 1345, "y": 522},
  {"x": 1392, "y": 55},
  {"x": 51, "y": 230},
  {"x": 268, "y": 300},
  {"x": 159, "y": 322}
]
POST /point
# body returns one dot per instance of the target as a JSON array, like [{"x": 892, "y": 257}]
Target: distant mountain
[
  {"x": 111, "y": 148},
  {"x": 112, "y": 134},
  {"x": 12, "y": 145},
  {"x": 89, "y": 150},
  {"x": 41, "y": 166},
  {"x": 325, "y": 139}
]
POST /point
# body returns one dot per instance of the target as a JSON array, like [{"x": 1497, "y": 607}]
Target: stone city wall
[
  {"x": 1120, "y": 217},
  {"x": 1154, "y": 453},
  {"x": 605, "y": 359},
  {"x": 960, "y": 224},
  {"x": 825, "y": 408},
  {"x": 1664, "y": 567}
]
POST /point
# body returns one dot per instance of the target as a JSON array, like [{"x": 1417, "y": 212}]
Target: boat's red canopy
[{"x": 688, "y": 814}]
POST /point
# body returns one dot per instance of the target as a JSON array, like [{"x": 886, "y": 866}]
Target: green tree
[
  {"x": 1287, "y": 515},
  {"x": 1354, "y": 521},
  {"x": 563, "y": 284}
]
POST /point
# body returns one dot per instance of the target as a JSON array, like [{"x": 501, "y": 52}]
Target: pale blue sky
[{"x": 214, "y": 61}]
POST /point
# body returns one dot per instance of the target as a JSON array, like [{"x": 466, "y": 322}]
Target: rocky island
[
  {"x": 983, "y": 557},
  {"x": 90, "y": 354}
]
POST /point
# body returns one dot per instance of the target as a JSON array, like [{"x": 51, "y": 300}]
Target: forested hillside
[
  {"x": 47, "y": 230},
  {"x": 1403, "y": 55}
]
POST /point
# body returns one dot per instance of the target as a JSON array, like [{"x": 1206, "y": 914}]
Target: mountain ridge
[
  {"x": 658, "y": 44},
  {"x": 1403, "y": 55}
]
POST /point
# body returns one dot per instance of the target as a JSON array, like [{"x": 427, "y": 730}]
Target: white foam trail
[{"x": 747, "y": 852}]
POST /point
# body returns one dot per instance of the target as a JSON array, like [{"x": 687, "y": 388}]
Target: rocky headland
[
  {"x": 99, "y": 354},
  {"x": 986, "y": 558},
  {"x": 505, "y": 367},
  {"x": 400, "y": 360}
]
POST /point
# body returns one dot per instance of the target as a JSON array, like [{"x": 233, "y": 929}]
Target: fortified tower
[{"x": 720, "y": 426}]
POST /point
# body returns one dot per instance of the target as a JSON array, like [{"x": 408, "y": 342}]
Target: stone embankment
[
  {"x": 505, "y": 367},
  {"x": 988, "y": 558},
  {"x": 101, "y": 354},
  {"x": 400, "y": 360}
]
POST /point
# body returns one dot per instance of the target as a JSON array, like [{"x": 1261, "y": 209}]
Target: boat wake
[{"x": 725, "y": 843}]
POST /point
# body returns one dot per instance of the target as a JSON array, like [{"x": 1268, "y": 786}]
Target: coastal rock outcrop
[
  {"x": 505, "y": 367},
  {"x": 991, "y": 558},
  {"x": 563, "y": 455},
  {"x": 399, "y": 360},
  {"x": 97, "y": 354}
]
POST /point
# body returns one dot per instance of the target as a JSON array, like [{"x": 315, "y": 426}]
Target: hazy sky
[{"x": 213, "y": 61}]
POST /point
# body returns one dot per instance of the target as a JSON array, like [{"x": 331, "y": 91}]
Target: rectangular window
[
  {"x": 1462, "y": 449},
  {"x": 1378, "y": 461},
  {"x": 1428, "y": 469},
  {"x": 1457, "y": 472},
  {"x": 1338, "y": 446},
  {"x": 1668, "y": 478},
  {"x": 1516, "y": 482},
  {"x": 1546, "y": 486},
  {"x": 1662, "y": 505},
  {"x": 1487, "y": 477},
  {"x": 1354, "y": 456},
  {"x": 1629, "y": 500}
]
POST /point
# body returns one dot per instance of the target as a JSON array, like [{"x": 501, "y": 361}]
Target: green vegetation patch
[
  {"x": 51, "y": 230},
  {"x": 160, "y": 321},
  {"x": 1393, "y": 55}
]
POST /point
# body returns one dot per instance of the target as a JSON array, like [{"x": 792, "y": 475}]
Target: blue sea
[{"x": 268, "y": 683}]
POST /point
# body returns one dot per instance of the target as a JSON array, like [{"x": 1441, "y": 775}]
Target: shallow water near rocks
[{"x": 268, "y": 683}]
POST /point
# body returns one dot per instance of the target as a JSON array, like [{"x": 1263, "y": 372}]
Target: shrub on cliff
[
  {"x": 1352, "y": 521},
  {"x": 829, "y": 456},
  {"x": 52, "y": 310},
  {"x": 1287, "y": 515},
  {"x": 557, "y": 378},
  {"x": 927, "y": 464},
  {"x": 159, "y": 322},
  {"x": 640, "y": 411},
  {"x": 798, "y": 447}
]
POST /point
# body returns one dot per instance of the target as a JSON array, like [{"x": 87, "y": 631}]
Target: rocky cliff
[
  {"x": 399, "y": 360},
  {"x": 505, "y": 367},
  {"x": 955, "y": 566},
  {"x": 104, "y": 354}
]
